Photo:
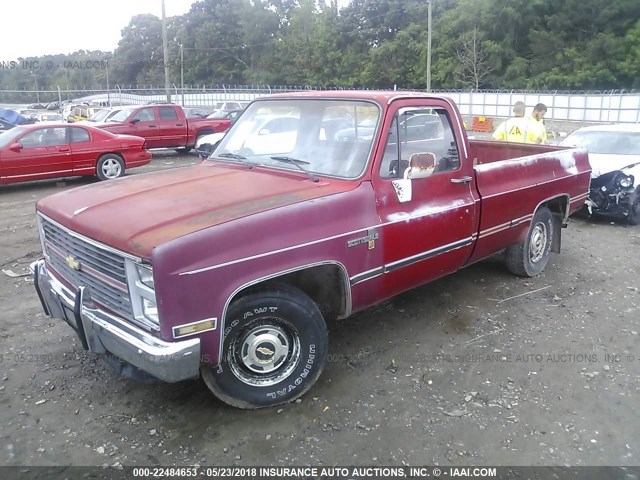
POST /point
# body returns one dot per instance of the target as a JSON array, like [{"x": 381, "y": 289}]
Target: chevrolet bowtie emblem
[
  {"x": 265, "y": 351},
  {"x": 72, "y": 262}
]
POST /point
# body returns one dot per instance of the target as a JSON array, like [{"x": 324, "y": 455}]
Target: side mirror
[
  {"x": 134, "y": 121},
  {"x": 421, "y": 165},
  {"x": 264, "y": 131},
  {"x": 15, "y": 147}
]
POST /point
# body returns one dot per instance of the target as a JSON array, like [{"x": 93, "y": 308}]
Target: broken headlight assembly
[{"x": 626, "y": 181}]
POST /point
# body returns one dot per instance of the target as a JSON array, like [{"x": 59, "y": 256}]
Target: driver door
[
  {"x": 146, "y": 126},
  {"x": 45, "y": 153},
  {"x": 429, "y": 224}
]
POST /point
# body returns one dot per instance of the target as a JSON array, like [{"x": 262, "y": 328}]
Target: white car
[
  {"x": 48, "y": 118},
  {"x": 614, "y": 154},
  {"x": 269, "y": 135},
  {"x": 206, "y": 144},
  {"x": 101, "y": 116},
  {"x": 265, "y": 135}
]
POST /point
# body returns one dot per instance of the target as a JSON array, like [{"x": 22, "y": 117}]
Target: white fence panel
[{"x": 609, "y": 107}]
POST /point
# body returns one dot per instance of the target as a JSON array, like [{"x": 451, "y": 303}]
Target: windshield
[
  {"x": 614, "y": 143},
  {"x": 8, "y": 137},
  {"x": 51, "y": 118},
  {"x": 328, "y": 137},
  {"x": 99, "y": 116},
  {"x": 122, "y": 115}
]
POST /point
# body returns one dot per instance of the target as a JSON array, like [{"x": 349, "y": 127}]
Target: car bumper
[
  {"x": 138, "y": 159},
  {"x": 103, "y": 333},
  {"x": 611, "y": 201}
]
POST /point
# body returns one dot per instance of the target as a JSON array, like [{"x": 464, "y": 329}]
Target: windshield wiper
[
  {"x": 231, "y": 155},
  {"x": 297, "y": 163},
  {"x": 235, "y": 156}
]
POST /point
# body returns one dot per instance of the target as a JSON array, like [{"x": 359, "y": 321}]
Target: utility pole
[
  {"x": 35, "y": 80},
  {"x": 165, "y": 50},
  {"x": 108, "y": 90},
  {"x": 182, "y": 72},
  {"x": 429, "y": 45}
]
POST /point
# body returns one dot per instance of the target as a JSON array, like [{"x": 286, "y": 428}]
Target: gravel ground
[{"x": 477, "y": 368}]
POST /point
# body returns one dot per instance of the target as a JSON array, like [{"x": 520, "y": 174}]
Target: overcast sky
[{"x": 41, "y": 27}]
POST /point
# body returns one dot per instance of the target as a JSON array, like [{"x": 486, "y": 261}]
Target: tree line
[{"x": 476, "y": 44}]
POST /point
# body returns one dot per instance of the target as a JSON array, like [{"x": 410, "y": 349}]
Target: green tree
[{"x": 139, "y": 58}]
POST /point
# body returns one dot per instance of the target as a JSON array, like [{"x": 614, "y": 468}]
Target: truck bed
[
  {"x": 514, "y": 179},
  {"x": 489, "y": 151}
]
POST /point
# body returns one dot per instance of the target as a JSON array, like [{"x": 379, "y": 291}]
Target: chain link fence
[{"x": 614, "y": 106}]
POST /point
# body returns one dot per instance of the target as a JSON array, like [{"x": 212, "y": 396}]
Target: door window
[
  {"x": 44, "y": 137},
  {"x": 419, "y": 130},
  {"x": 168, "y": 113},
  {"x": 145, "y": 115},
  {"x": 79, "y": 135}
]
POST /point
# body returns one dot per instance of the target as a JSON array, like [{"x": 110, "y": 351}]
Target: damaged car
[{"x": 614, "y": 154}]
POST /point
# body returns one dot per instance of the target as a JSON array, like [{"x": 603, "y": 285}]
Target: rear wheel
[
  {"x": 110, "y": 166},
  {"x": 528, "y": 259},
  {"x": 274, "y": 349}
]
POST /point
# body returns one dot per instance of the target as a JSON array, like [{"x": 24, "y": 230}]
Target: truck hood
[{"x": 138, "y": 213}]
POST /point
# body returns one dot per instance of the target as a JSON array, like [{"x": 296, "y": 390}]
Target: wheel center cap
[{"x": 265, "y": 352}]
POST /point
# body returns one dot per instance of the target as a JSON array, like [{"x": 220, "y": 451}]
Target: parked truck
[
  {"x": 164, "y": 126},
  {"x": 230, "y": 269}
]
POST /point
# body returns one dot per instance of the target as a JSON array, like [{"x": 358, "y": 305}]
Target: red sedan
[{"x": 35, "y": 152}]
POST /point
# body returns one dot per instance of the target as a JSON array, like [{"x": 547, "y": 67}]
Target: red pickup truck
[
  {"x": 164, "y": 126},
  {"x": 314, "y": 206}
]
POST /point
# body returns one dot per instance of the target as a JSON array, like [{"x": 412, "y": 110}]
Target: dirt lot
[{"x": 477, "y": 368}]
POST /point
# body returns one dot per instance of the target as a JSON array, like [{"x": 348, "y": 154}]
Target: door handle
[
  {"x": 179, "y": 124},
  {"x": 64, "y": 149},
  {"x": 153, "y": 126},
  {"x": 466, "y": 179}
]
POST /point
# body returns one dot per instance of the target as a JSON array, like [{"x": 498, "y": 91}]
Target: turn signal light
[{"x": 196, "y": 327}]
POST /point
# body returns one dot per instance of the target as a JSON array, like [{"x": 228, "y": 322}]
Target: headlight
[
  {"x": 143, "y": 294},
  {"x": 626, "y": 182},
  {"x": 145, "y": 274},
  {"x": 43, "y": 245},
  {"x": 150, "y": 310}
]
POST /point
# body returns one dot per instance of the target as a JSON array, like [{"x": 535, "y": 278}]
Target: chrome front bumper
[{"x": 103, "y": 333}]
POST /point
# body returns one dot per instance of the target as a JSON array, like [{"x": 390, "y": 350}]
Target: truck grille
[{"x": 96, "y": 267}]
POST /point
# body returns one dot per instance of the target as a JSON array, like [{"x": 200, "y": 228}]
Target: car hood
[
  {"x": 604, "y": 163},
  {"x": 138, "y": 213},
  {"x": 211, "y": 138}
]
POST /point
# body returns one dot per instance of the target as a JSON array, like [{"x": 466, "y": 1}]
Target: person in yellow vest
[
  {"x": 520, "y": 128},
  {"x": 537, "y": 116}
]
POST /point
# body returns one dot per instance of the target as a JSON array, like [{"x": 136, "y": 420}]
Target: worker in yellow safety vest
[
  {"x": 539, "y": 111},
  {"x": 520, "y": 128}
]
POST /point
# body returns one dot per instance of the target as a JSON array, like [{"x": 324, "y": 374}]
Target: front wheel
[
  {"x": 274, "y": 349},
  {"x": 110, "y": 166},
  {"x": 528, "y": 259}
]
